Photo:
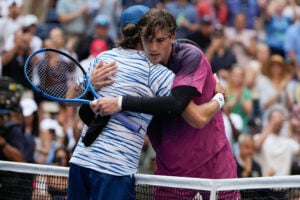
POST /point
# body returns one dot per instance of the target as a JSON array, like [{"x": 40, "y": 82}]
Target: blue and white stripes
[{"x": 117, "y": 150}]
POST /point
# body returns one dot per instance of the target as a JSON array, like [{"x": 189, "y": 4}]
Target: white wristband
[
  {"x": 219, "y": 97},
  {"x": 120, "y": 99}
]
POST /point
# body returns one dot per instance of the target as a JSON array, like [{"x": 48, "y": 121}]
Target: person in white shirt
[{"x": 275, "y": 152}]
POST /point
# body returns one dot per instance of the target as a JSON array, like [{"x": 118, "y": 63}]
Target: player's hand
[
  {"x": 219, "y": 88},
  {"x": 105, "y": 106},
  {"x": 100, "y": 75}
]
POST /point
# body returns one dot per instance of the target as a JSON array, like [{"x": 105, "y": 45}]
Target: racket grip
[{"x": 127, "y": 122}]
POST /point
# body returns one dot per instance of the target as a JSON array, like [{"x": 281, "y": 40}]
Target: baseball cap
[
  {"x": 97, "y": 46},
  {"x": 28, "y": 106},
  {"x": 206, "y": 19},
  {"x": 101, "y": 20},
  {"x": 29, "y": 20},
  {"x": 18, "y": 3},
  {"x": 133, "y": 14}
]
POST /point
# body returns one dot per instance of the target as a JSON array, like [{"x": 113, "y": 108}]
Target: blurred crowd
[{"x": 252, "y": 46}]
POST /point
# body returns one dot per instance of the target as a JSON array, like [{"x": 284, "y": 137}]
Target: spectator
[
  {"x": 51, "y": 134},
  {"x": 111, "y": 9},
  {"x": 275, "y": 85},
  {"x": 71, "y": 15},
  {"x": 254, "y": 79},
  {"x": 31, "y": 126},
  {"x": 239, "y": 98},
  {"x": 247, "y": 166},
  {"x": 100, "y": 31},
  {"x": 202, "y": 36},
  {"x": 276, "y": 25},
  {"x": 241, "y": 40},
  {"x": 12, "y": 22},
  {"x": 185, "y": 15},
  {"x": 29, "y": 26},
  {"x": 275, "y": 152},
  {"x": 97, "y": 46},
  {"x": 11, "y": 137},
  {"x": 216, "y": 9},
  {"x": 249, "y": 8},
  {"x": 220, "y": 56},
  {"x": 13, "y": 60}
]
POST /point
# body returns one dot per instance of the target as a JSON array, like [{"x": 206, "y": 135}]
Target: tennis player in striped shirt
[{"x": 104, "y": 169}]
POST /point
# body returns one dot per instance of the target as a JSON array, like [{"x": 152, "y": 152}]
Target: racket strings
[{"x": 53, "y": 73}]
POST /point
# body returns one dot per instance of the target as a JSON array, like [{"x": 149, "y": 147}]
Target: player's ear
[{"x": 173, "y": 37}]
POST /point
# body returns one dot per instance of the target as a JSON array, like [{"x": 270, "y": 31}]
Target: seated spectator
[
  {"x": 247, "y": 166},
  {"x": 100, "y": 31},
  {"x": 202, "y": 36}
]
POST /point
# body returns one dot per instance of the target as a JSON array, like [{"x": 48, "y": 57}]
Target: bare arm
[
  {"x": 199, "y": 115},
  {"x": 11, "y": 152}
]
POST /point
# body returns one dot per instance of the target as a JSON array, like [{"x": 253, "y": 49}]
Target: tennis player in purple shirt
[{"x": 186, "y": 142}]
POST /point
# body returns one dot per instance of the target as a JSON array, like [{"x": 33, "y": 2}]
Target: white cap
[
  {"x": 29, "y": 20},
  {"x": 28, "y": 106},
  {"x": 18, "y": 3},
  {"x": 53, "y": 124}
]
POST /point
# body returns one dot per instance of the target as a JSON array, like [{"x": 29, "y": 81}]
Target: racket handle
[{"x": 127, "y": 122}]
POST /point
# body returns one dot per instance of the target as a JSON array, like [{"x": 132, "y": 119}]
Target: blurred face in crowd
[
  {"x": 14, "y": 11},
  {"x": 61, "y": 158},
  {"x": 57, "y": 36},
  {"x": 246, "y": 148},
  {"x": 240, "y": 21},
  {"x": 277, "y": 118},
  {"x": 101, "y": 31},
  {"x": 206, "y": 28},
  {"x": 237, "y": 76},
  {"x": 262, "y": 53},
  {"x": 158, "y": 48}
]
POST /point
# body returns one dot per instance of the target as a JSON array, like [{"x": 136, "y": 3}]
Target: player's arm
[
  {"x": 179, "y": 102},
  {"x": 199, "y": 115},
  {"x": 172, "y": 105}
]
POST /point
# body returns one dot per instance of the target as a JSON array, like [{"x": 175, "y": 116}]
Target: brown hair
[
  {"x": 130, "y": 38},
  {"x": 156, "y": 19}
]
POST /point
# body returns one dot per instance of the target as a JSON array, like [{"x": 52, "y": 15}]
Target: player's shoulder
[
  {"x": 186, "y": 54},
  {"x": 185, "y": 49}
]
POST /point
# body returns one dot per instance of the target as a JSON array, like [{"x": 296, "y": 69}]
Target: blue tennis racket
[{"x": 54, "y": 75}]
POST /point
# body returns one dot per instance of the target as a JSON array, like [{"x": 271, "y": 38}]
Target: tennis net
[{"x": 32, "y": 181}]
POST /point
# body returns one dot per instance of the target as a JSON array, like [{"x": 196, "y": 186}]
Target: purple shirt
[{"x": 182, "y": 150}]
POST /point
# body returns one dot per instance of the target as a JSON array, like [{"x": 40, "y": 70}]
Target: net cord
[{"x": 213, "y": 185}]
